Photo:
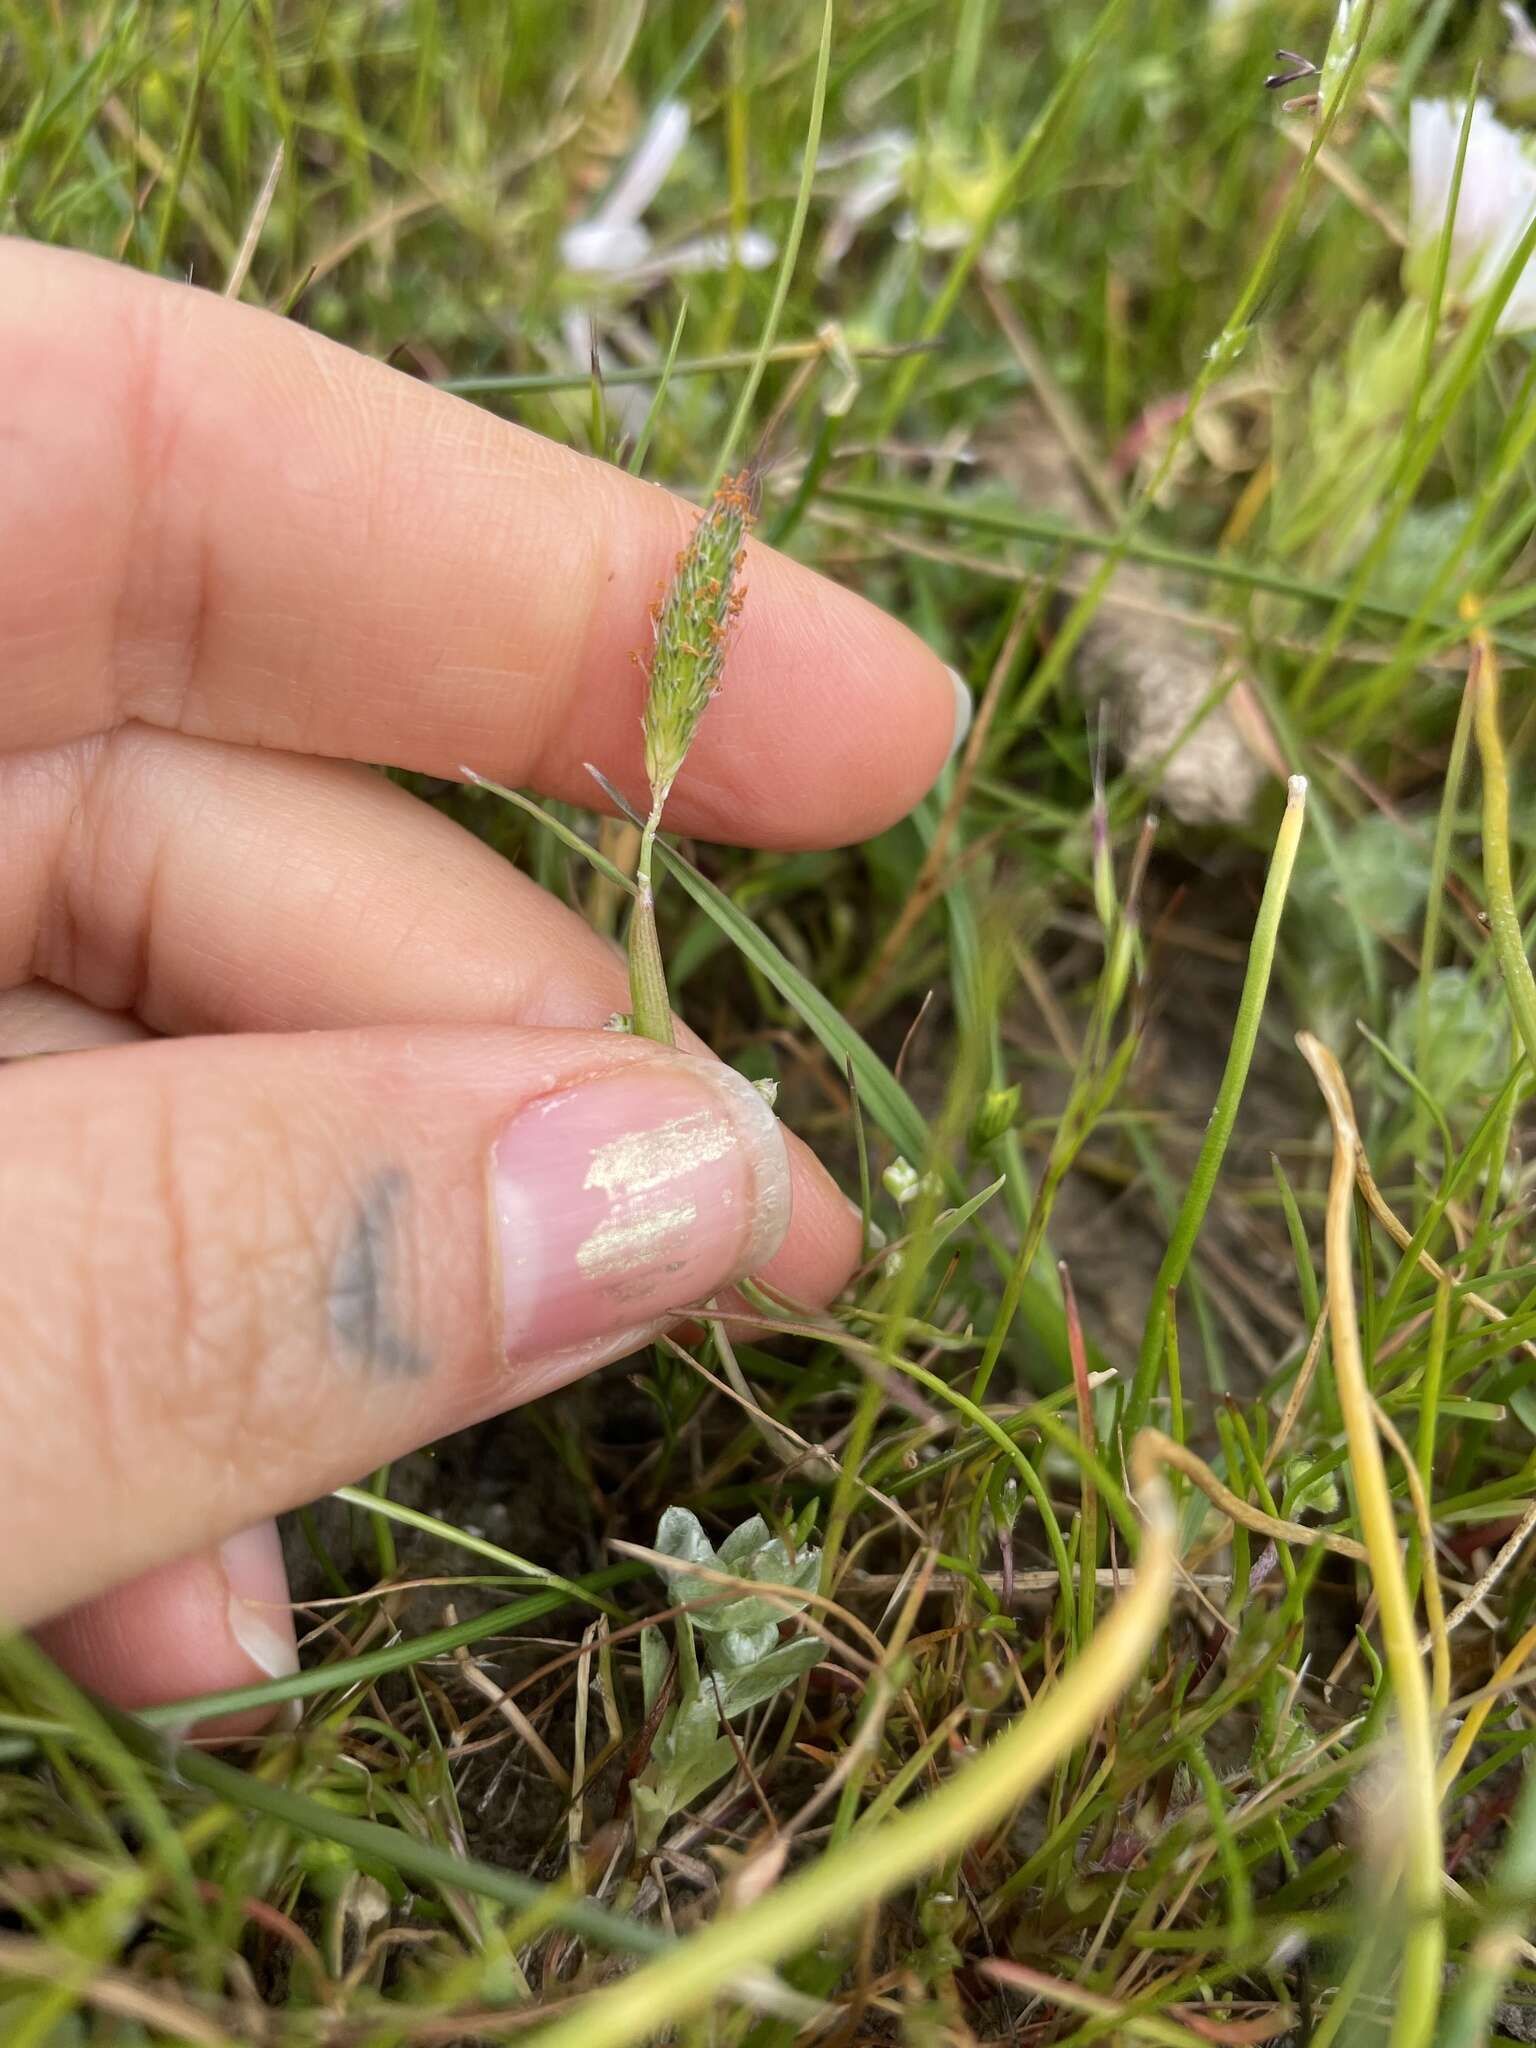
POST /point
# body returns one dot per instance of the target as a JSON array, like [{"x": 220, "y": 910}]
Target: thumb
[{"x": 235, "y": 1272}]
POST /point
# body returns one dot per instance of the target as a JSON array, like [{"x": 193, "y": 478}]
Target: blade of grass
[
  {"x": 1512, "y": 1897},
  {"x": 1218, "y": 1131},
  {"x": 445, "y": 1532},
  {"x": 654, "y": 410},
  {"x": 1136, "y": 547},
  {"x": 372, "y": 1664},
  {"x": 1503, "y": 917},
  {"x": 1041, "y": 131},
  {"x": 532, "y": 383},
  {"x": 600, "y": 861},
  {"x": 442, "y": 1868},
  {"x": 747, "y": 395}
]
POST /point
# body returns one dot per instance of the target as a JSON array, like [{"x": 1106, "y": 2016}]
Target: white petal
[
  {"x": 706, "y": 252},
  {"x": 1519, "y": 314},
  {"x": 595, "y": 248},
  {"x": 579, "y": 333},
  {"x": 646, "y": 172},
  {"x": 1433, "y": 127},
  {"x": 1494, "y": 207},
  {"x": 755, "y": 250},
  {"x": 889, "y": 147}
]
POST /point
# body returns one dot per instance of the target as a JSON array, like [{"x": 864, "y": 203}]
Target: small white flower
[
  {"x": 949, "y": 189},
  {"x": 883, "y": 159},
  {"x": 612, "y": 237},
  {"x": 613, "y": 242},
  {"x": 1494, "y": 209},
  {"x": 614, "y": 254}
]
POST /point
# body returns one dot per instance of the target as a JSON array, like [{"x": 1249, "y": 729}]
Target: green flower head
[{"x": 693, "y": 629}]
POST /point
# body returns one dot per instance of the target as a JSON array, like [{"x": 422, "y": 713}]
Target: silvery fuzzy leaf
[
  {"x": 654, "y": 1662},
  {"x": 693, "y": 1752},
  {"x": 749, "y": 1552},
  {"x": 743, "y": 1544},
  {"x": 738, "y": 1649},
  {"x": 680, "y": 1534},
  {"x": 782, "y": 1667}
]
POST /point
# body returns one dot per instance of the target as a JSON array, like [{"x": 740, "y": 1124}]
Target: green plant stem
[
  {"x": 649, "y": 1001},
  {"x": 754, "y": 377},
  {"x": 383, "y": 1508},
  {"x": 1136, "y": 547},
  {"x": 533, "y": 383},
  {"x": 1218, "y": 1131},
  {"x": 1498, "y": 881}
]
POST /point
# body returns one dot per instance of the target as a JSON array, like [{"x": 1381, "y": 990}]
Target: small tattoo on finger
[{"x": 360, "y": 1298}]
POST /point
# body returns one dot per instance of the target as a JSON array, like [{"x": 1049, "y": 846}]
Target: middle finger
[{"x": 211, "y": 888}]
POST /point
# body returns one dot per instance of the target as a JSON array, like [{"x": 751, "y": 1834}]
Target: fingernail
[
  {"x": 628, "y": 1197},
  {"x": 260, "y": 1618},
  {"x": 964, "y": 711}
]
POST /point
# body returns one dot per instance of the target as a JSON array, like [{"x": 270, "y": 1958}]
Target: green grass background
[{"x": 974, "y": 418}]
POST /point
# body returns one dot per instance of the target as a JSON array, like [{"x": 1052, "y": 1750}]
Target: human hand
[{"x": 388, "y": 1175}]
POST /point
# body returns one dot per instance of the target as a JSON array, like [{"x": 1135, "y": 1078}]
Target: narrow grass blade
[
  {"x": 1469, "y": 2022},
  {"x": 1137, "y": 547},
  {"x": 1218, "y": 1131},
  {"x": 252, "y": 1793},
  {"x": 534, "y": 383},
  {"x": 879, "y": 1091},
  {"x": 362, "y": 1670},
  {"x": 754, "y": 378},
  {"x": 654, "y": 410},
  {"x": 445, "y": 1532},
  {"x": 1498, "y": 880},
  {"x": 562, "y": 832}
]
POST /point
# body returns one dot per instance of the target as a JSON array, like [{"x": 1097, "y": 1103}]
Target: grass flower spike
[
  {"x": 1494, "y": 209},
  {"x": 693, "y": 624},
  {"x": 693, "y": 631}
]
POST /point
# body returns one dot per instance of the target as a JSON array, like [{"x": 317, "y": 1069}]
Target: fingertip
[
  {"x": 822, "y": 1248},
  {"x": 833, "y": 720}
]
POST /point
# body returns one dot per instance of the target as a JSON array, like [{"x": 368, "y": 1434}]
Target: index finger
[{"x": 216, "y": 521}]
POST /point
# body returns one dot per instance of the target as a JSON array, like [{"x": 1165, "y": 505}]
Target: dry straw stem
[
  {"x": 1509, "y": 1668},
  {"x": 877, "y": 1861},
  {"x": 1418, "y": 1993},
  {"x": 1237, "y": 1509}
]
